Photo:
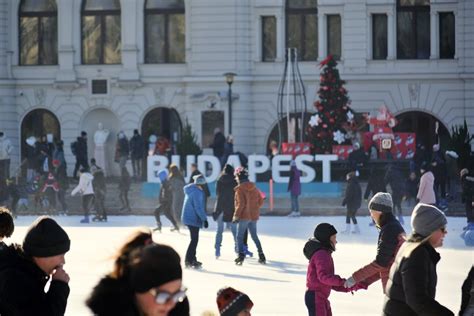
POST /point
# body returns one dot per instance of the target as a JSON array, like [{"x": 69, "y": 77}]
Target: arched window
[
  {"x": 164, "y": 31},
  {"x": 302, "y": 28},
  {"x": 38, "y": 29},
  {"x": 413, "y": 29},
  {"x": 101, "y": 32}
]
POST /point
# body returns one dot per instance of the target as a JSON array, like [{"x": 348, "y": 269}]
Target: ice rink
[{"x": 276, "y": 288}]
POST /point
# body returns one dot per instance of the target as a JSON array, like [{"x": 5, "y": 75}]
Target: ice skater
[
  {"x": 352, "y": 200},
  {"x": 321, "y": 277},
  {"x": 194, "y": 217},
  {"x": 87, "y": 191},
  {"x": 124, "y": 187},
  {"x": 294, "y": 187},
  {"x": 165, "y": 202}
]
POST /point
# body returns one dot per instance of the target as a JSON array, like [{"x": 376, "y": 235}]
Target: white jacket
[
  {"x": 85, "y": 185},
  {"x": 5, "y": 148}
]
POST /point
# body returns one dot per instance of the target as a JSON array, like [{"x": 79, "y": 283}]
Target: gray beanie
[
  {"x": 381, "y": 202},
  {"x": 426, "y": 219}
]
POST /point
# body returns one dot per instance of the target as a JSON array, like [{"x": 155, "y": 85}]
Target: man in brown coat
[{"x": 247, "y": 201}]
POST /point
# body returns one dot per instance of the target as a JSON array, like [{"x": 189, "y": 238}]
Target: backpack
[{"x": 74, "y": 148}]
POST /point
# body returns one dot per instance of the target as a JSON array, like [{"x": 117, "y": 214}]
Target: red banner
[
  {"x": 403, "y": 145},
  {"x": 295, "y": 149}
]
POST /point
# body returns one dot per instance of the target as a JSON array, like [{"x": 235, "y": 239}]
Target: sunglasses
[
  {"x": 163, "y": 297},
  {"x": 444, "y": 230}
]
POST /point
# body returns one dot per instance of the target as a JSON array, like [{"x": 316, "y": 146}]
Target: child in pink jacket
[{"x": 320, "y": 278}]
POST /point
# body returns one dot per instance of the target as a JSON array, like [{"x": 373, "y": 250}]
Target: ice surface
[{"x": 276, "y": 288}]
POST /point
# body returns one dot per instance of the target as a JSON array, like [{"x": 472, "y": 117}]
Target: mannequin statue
[{"x": 100, "y": 138}]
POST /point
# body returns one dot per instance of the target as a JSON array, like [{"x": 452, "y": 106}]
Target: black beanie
[
  {"x": 153, "y": 266},
  {"x": 45, "y": 238},
  {"x": 324, "y": 231},
  {"x": 228, "y": 169}
]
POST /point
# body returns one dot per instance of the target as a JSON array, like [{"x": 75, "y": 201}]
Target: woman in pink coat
[
  {"x": 426, "y": 193},
  {"x": 320, "y": 278}
]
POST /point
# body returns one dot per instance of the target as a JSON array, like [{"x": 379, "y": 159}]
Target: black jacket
[
  {"x": 411, "y": 289},
  {"x": 81, "y": 149},
  {"x": 218, "y": 145},
  {"x": 137, "y": 147},
  {"x": 375, "y": 184},
  {"x": 22, "y": 287},
  {"x": 353, "y": 196},
  {"x": 394, "y": 178},
  {"x": 225, "y": 197},
  {"x": 113, "y": 297}
]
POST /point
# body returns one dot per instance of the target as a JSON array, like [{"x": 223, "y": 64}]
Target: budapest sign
[{"x": 257, "y": 164}]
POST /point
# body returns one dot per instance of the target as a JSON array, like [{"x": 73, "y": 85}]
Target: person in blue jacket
[{"x": 194, "y": 216}]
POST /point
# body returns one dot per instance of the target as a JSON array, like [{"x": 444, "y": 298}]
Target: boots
[
  {"x": 218, "y": 253},
  {"x": 157, "y": 228},
  {"x": 85, "y": 220},
  {"x": 347, "y": 230},
  {"x": 356, "y": 229},
  {"x": 194, "y": 265},
  {"x": 240, "y": 259},
  {"x": 261, "y": 258}
]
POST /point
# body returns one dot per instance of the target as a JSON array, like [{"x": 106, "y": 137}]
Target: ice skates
[
  {"x": 261, "y": 258},
  {"x": 356, "y": 229},
  {"x": 193, "y": 265},
  {"x": 347, "y": 230},
  {"x": 85, "y": 220},
  {"x": 294, "y": 214},
  {"x": 240, "y": 259}
]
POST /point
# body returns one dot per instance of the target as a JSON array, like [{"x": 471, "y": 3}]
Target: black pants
[
  {"x": 397, "y": 198},
  {"x": 62, "y": 200},
  {"x": 137, "y": 167},
  {"x": 351, "y": 214},
  {"x": 191, "y": 252},
  {"x": 309, "y": 301},
  {"x": 469, "y": 212},
  {"x": 87, "y": 203},
  {"x": 5, "y": 169},
  {"x": 166, "y": 210},
  {"x": 99, "y": 204},
  {"x": 80, "y": 162},
  {"x": 123, "y": 196},
  {"x": 440, "y": 189}
]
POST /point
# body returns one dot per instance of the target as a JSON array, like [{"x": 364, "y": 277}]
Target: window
[
  {"x": 379, "y": 36},
  {"x": 413, "y": 29},
  {"x": 334, "y": 36},
  {"x": 211, "y": 120},
  {"x": 302, "y": 28},
  {"x": 164, "y": 31},
  {"x": 447, "y": 36},
  {"x": 268, "y": 38},
  {"x": 38, "y": 28},
  {"x": 101, "y": 32}
]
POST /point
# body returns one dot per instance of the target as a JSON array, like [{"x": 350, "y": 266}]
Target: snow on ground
[{"x": 276, "y": 288}]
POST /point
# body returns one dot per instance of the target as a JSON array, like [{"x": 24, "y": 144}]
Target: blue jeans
[
  {"x": 295, "y": 207},
  {"x": 220, "y": 231},
  {"x": 252, "y": 227}
]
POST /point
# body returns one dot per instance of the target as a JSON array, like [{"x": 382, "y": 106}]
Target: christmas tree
[
  {"x": 333, "y": 117},
  {"x": 188, "y": 144}
]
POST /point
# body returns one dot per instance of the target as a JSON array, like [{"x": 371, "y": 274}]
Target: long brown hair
[{"x": 174, "y": 172}]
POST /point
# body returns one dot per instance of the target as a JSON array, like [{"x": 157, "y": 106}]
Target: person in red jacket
[
  {"x": 321, "y": 277},
  {"x": 391, "y": 237}
]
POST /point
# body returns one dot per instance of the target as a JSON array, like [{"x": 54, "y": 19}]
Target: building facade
[{"x": 151, "y": 65}]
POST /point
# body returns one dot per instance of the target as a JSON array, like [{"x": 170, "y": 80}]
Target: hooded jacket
[
  {"x": 248, "y": 201},
  {"x": 225, "y": 197},
  {"x": 391, "y": 237},
  {"x": 353, "y": 196},
  {"x": 22, "y": 287},
  {"x": 113, "y": 297},
  {"x": 5, "y": 148},
  {"x": 85, "y": 185},
  {"x": 320, "y": 276},
  {"x": 176, "y": 184},
  {"x": 193, "y": 208},
  {"x": 426, "y": 193},
  {"x": 294, "y": 185}
]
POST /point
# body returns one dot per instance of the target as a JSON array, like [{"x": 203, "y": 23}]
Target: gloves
[
  {"x": 349, "y": 283},
  {"x": 206, "y": 224}
]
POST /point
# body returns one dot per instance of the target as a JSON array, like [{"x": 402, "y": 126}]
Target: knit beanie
[
  {"x": 324, "y": 231},
  {"x": 45, "y": 238},
  {"x": 228, "y": 169},
  {"x": 199, "y": 179},
  {"x": 231, "y": 302},
  {"x": 153, "y": 266},
  {"x": 426, "y": 219},
  {"x": 381, "y": 202},
  {"x": 163, "y": 175}
]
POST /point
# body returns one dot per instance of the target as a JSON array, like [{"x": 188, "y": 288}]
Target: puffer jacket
[
  {"x": 193, "y": 207},
  {"x": 113, "y": 296},
  {"x": 411, "y": 289},
  {"x": 225, "y": 197},
  {"x": 22, "y": 287},
  {"x": 248, "y": 202},
  {"x": 426, "y": 193},
  {"x": 85, "y": 185},
  {"x": 391, "y": 237}
]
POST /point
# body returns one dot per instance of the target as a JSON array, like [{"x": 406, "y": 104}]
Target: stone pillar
[
  {"x": 391, "y": 37},
  {"x": 434, "y": 35}
]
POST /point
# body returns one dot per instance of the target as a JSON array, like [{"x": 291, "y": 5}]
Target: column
[
  {"x": 434, "y": 34},
  {"x": 322, "y": 37},
  {"x": 129, "y": 42},
  {"x": 391, "y": 37},
  {"x": 65, "y": 42},
  {"x": 281, "y": 37}
]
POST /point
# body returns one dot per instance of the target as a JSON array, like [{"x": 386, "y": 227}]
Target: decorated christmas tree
[
  {"x": 333, "y": 117},
  {"x": 188, "y": 144}
]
